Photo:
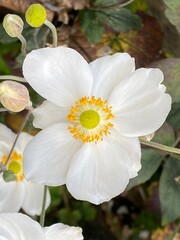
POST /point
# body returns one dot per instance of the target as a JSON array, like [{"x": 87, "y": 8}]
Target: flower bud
[
  {"x": 35, "y": 15},
  {"x": 13, "y": 25},
  {"x": 14, "y": 96}
]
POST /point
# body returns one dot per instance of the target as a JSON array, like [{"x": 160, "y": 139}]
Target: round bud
[
  {"x": 14, "y": 96},
  {"x": 35, "y": 15},
  {"x": 13, "y": 25}
]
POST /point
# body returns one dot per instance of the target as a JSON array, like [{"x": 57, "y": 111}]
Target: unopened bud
[
  {"x": 14, "y": 96},
  {"x": 36, "y": 15},
  {"x": 13, "y": 25}
]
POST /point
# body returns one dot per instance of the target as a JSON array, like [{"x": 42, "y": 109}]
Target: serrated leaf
[
  {"x": 150, "y": 161},
  {"x": 9, "y": 176},
  {"x": 170, "y": 191},
  {"x": 90, "y": 26},
  {"x": 174, "y": 116},
  {"x": 120, "y": 19}
]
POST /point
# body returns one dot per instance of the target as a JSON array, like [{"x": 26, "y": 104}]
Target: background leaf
[{"x": 170, "y": 191}]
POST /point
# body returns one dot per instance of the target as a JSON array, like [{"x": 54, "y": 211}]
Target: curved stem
[
  {"x": 160, "y": 146},
  {"x": 53, "y": 30},
  {"x": 11, "y": 77},
  {"x": 23, "y": 46},
  {"x": 43, "y": 211},
  {"x": 18, "y": 134},
  {"x": 3, "y": 110}
]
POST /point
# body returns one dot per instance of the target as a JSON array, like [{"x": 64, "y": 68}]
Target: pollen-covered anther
[{"x": 90, "y": 117}]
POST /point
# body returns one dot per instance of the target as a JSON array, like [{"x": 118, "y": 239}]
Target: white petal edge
[
  {"x": 96, "y": 173},
  {"x": 48, "y": 155},
  {"x": 6, "y": 135},
  {"x": 33, "y": 199},
  {"x": 61, "y": 75},
  {"x": 63, "y": 232},
  {"x": 19, "y": 226},
  {"x": 108, "y": 71},
  {"x": 48, "y": 113}
]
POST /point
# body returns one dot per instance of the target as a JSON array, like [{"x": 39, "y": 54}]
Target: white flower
[
  {"x": 21, "y": 227},
  {"x": 19, "y": 193},
  {"x": 91, "y": 120}
]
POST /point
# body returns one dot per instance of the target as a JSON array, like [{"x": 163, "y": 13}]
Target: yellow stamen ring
[
  {"x": 15, "y": 164},
  {"x": 90, "y": 117}
]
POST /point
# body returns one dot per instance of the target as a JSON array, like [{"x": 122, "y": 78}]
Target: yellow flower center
[
  {"x": 91, "y": 119},
  {"x": 15, "y": 164}
]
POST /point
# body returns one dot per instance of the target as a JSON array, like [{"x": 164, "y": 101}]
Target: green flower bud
[
  {"x": 13, "y": 25},
  {"x": 36, "y": 15}
]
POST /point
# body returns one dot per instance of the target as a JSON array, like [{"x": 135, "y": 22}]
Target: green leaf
[
  {"x": 150, "y": 161},
  {"x": 120, "y": 19},
  {"x": 172, "y": 12},
  {"x": 4, "y": 37},
  {"x": 170, "y": 191},
  {"x": 165, "y": 135},
  {"x": 174, "y": 116},
  {"x": 9, "y": 176},
  {"x": 105, "y": 3},
  {"x": 91, "y": 26}
]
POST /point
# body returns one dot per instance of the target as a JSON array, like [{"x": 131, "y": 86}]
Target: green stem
[
  {"x": 23, "y": 44},
  {"x": 3, "y": 110},
  {"x": 11, "y": 77},
  {"x": 53, "y": 30},
  {"x": 18, "y": 134},
  {"x": 160, "y": 147},
  {"x": 43, "y": 211}
]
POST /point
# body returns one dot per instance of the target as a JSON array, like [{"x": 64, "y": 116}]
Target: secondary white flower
[
  {"x": 20, "y": 193},
  {"x": 21, "y": 227},
  {"x": 91, "y": 120}
]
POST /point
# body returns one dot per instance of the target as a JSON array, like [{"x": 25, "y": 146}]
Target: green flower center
[
  {"x": 89, "y": 119},
  {"x": 15, "y": 167}
]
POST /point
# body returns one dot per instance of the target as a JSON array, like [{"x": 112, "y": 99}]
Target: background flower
[
  {"x": 21, "y": 227},
  {"x": 91, "y": 120},
  {"x": 19, "y": 193}
]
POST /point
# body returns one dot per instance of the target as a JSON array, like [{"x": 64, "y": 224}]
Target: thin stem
[
  {"x": 23, "y": 44},
  {"x": 160, "y": 147},
  {"x": 11, "y": 77},
  {"x": 112, "y": 6},
  {"x": 43, "y": 211},
  {"x": 3, "y": 110},
  {"x": 18, "y": 134},
  {"x": 53, "y": 30}
]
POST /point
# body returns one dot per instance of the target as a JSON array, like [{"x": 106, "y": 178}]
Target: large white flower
[
  {"x": 21, "y": 227},
  {"x": 19, "y": 193},
  {"x": 91, "y": 120}
]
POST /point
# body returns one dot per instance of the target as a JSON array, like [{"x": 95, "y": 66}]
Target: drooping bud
[
  {"x": 14, "y": 96},
  {"x": 13, "y": 25},
  {"x": 36, "y": 15}
]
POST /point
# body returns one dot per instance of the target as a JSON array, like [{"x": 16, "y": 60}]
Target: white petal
[
  {"x": 47, "y": 156},
  {"x": 33, "y": 200},
  {"x": 97, "y": 173},
  {"x": 11, "y": 196},
  {"x": 108, "y": 71},
  {"x": 139, "y": 103},
  {"x": 61, "y": 75},
  {"x": 23, "y": 140},
  {"x": 6, "y": 135},
  {"x": 19, "y": 226},
  {"x": 129, "y": 150},
  {"x": 48, "y": 113},
  {"x": 61, "y": 231}
]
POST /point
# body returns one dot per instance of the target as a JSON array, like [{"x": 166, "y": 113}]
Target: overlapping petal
[
  {"x": 47, "y": 157},
  {"x": 61, "y": 75},
  {"x": 108, "y": 71},
  {"x": 97, "y": 172},
  {"x": 48, "y": 113},
  {"x": 139, "y": 103}
]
